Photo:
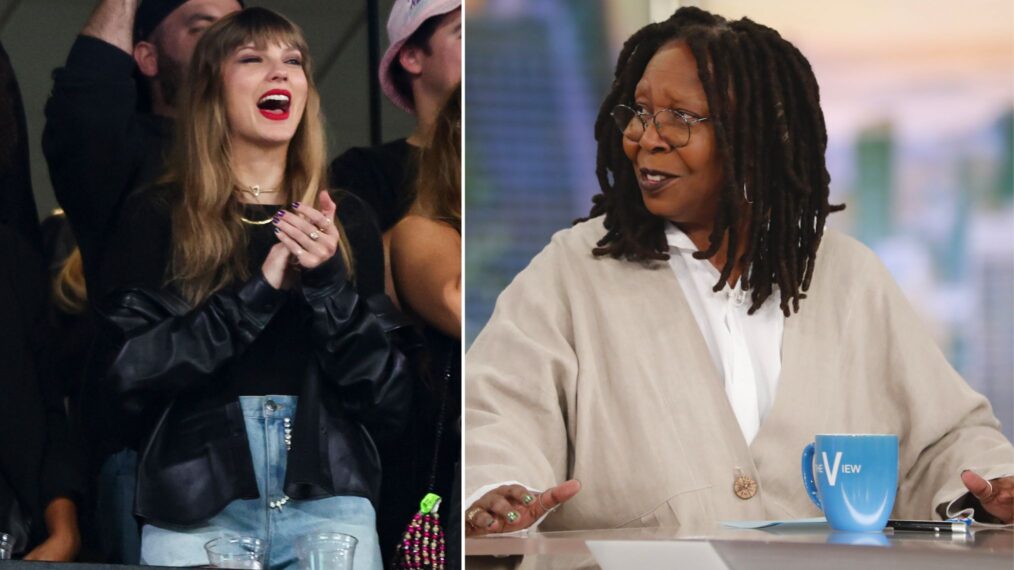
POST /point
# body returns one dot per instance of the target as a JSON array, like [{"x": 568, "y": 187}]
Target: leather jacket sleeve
[
  {"x": 357, "y": 351},
  {"x": 165, "y": 346}
]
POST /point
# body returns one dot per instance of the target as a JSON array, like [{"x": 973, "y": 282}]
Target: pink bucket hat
[{"x": 406, "y": 17}]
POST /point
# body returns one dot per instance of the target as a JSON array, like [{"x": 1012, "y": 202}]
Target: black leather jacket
[{"x": 197, "y": 458}]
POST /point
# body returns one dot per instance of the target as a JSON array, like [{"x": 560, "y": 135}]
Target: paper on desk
[
  {"x": 788, "y": 523},
  {"x": 626, "y": 554}
]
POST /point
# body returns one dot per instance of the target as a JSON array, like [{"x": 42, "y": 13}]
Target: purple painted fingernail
[
  {"x": 295, "y": 204},
  {"x": 275, "y": 221},
  {"x": 280, "y": 213}
]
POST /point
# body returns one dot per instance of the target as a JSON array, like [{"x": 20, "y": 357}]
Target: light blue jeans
[{"x": 279, "y": 526}]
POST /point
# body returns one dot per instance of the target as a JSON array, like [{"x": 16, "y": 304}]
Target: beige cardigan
[{"x": 594, "y": 368}]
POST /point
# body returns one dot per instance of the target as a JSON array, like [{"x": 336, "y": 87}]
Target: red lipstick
[{"x": 274, "y": 104}]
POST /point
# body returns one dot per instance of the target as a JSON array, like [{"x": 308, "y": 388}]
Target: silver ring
[
  {"x": 314, "y": 236},
  {"x": 543, "y": 505}
]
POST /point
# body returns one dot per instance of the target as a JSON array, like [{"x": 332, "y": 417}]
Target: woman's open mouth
[
  {"x": 654, "y": 180},
  {"x": 275, "y": 104}
]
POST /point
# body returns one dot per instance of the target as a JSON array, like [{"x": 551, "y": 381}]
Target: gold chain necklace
[
  {"x": 255, "y": 222},
  {"x": 256, "y": 191}
]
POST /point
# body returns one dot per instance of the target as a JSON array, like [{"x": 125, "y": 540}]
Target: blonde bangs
[{"x": 263, "y": 30}]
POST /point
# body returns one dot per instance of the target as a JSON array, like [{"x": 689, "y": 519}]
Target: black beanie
[{"x": 151, "y": 13}]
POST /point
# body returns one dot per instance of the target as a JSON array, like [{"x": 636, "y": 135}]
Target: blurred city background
[{"x": 919, "y": 101}]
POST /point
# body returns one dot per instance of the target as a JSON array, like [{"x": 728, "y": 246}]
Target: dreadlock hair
[{"x": 770, "y": 138}]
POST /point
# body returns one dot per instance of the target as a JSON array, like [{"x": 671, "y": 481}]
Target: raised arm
[
  {"x": 93, "y": 143},
  {"x": 112, "y": 21}
]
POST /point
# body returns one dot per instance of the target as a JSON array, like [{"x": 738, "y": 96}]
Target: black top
[
  {"x": 72, "y": 332},
  {"x": 99, "y": 148},
  {"x": 383, "y": 176},
  {"x": 36, "y": 460},
  {"x": 141, "y": 253}
]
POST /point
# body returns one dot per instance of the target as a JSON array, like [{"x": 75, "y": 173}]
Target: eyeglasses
[{"x": 673, "y": 125}]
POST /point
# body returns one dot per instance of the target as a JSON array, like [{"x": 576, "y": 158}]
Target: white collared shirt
[{"x": 746, "y": 349}]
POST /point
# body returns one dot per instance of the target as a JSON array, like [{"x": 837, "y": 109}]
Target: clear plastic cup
[
  {"x": 236, "y": 552},
  {"x": 326, "y": 550},
  {"x": 6, "y": 546}
]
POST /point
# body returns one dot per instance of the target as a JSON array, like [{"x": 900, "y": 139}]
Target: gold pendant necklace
[{"x": 256, "y": 191}]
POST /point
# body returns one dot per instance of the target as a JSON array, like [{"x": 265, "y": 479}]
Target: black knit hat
[{"x": 151, "y": 13}]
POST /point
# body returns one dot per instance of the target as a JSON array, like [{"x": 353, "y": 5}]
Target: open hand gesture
[
  {"x": 996, "y": 495},
  {"x": 510, "y": 508}
]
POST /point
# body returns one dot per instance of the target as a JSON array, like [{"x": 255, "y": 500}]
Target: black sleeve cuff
[
  {"x": 328, "y": 273},
  {"x": 260, "y": 299},
  {"x": 99, "y": 59}
]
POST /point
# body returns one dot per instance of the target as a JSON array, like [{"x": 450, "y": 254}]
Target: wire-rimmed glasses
[{"x": 672, "y": 125}]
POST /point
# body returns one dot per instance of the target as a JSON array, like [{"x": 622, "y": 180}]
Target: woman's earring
[{"x": 745, "y": 197}]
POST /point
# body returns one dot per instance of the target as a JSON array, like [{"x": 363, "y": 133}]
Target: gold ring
[
  {"x": 472, "y": 513},
  {"x": 314, "y": 236}
]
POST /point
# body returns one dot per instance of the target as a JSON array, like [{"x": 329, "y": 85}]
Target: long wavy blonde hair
[{"x": 209, "y": 239}]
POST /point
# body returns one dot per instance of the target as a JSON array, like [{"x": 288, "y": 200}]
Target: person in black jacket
[
  {"x": 39, "y": 481},
  {"x": 109, "y": 117},
  {"x": 242, "y": 346}
]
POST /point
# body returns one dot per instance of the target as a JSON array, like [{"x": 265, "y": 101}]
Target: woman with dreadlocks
[{"x": 675, "y": 351}]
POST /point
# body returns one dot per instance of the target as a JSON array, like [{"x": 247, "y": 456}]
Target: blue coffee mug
[{"x": 856, "y": 479}]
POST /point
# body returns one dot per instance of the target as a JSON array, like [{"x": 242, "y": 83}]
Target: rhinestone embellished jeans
[{"x": 273, "y": 517}]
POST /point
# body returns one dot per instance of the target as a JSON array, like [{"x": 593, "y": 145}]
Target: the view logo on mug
[{"x": 856, "y": 479}]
